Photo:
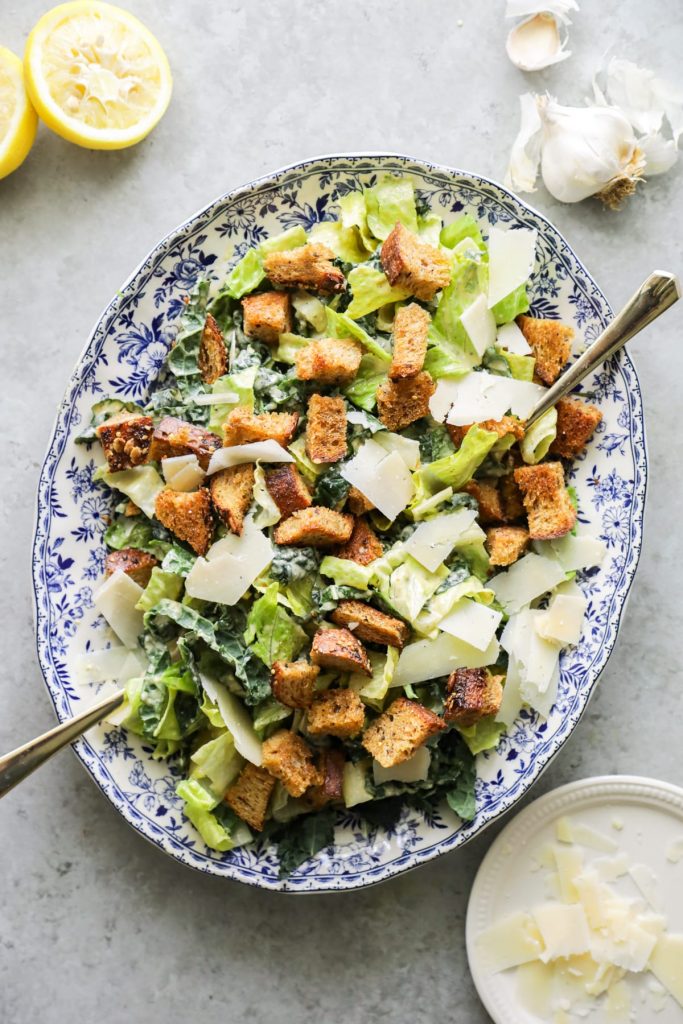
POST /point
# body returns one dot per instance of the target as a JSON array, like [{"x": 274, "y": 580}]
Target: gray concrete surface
[{"x": 96, "y": 925}]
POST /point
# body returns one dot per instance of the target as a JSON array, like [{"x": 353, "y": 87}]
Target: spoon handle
[
  {"x": 19, "y": 763},
  {"x": 659, "y": 291}
]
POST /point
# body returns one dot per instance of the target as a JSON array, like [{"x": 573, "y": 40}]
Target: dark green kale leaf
[
  {"x": 302, "y": 838},
  {"x": 331, "y": 489},
  {"x": 435, "y": 443},
  {"x": 326, "y": 599},
  {"x": 273, "y": 390},
  {"x": 291, "y": 564}
]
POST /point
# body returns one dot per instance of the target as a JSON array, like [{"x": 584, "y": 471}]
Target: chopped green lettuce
[
  {"x": 340, "y": 325},
  {"x": 289, "y": 347},
  {"x": 310, "y": 309},
  {"x": 267, "y": 513},
  {"x": 240, "y": 383},
  {"x": 129, "y": 532},
  {"x": 141, "y": 484},
  {"x": 249, "y": 273},
  {"x": 460, "y": 229},
  {"x": 373, "y": 691},
  {"x": 345, "y": 243},
  {"x": 222, "y": 834},
  {"x": 392, "y": 199},
  {"x": 537, "y": 439},
  {"x": 271, "y": 632},
  {"x": 455, "y": 470},
  {"x": 511, "y": 306},
  {"x": 371, "y": 290},
  {"x": 354, "y": 215},
  {"x": 161, "y": 585},
  {"x": 469, "y": 280},
  {"x": 309, "y": 470},
  {"x": 269, "y": 713},
  {"x": 217, "y": 761},
  {"x": 363, "y": 390},
  {"x": 444, "y": 601},
  {"x": 483, "y": 735},
  {"x": 347, "y": 573},
  {"x": 521, "y": 367}
]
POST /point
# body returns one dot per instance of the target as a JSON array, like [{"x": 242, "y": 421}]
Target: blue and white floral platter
[{"x": 123, "y": 357}]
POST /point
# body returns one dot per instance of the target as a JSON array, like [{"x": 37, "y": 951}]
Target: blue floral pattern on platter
[{"x": 123, "y": 357}]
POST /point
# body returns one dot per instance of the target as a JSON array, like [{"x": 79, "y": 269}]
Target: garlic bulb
[
  {"x": 588, "y": 151},
  {"x": 538, "y": 41}
]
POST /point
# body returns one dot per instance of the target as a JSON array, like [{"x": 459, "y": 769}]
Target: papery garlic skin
[
  {"x": 588, "y": 151},
  {"x": 525, "y": 157}
]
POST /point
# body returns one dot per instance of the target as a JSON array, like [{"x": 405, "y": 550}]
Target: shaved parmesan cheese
[
  {"x": 568, "y": 831},
  {"x": 408, "y": 449},
  {"x": 569, "y": 862},
  {"x": 236, "y": 718},
  {"x": 113, "y": 664},
  {"x": 563, "y": 928},
  {"x": 216, "y": 398},
  {"x": 230, "y": 567},
  {"x": 429, "y": 659},
  {"x": 116, "y": 600},
  {"x": 536, "y": 659},
  {"x": 415, "y": 769},
  {"x": 512, "y": 941},
  {"x": 608, "y": 869},
  {"x": 472, "y": 622},
  {"x": 579, "y": 552},
  {"x": 511, "y": 260},
  {"x": 529, "y": 578},
  {"x": 511, "y": 704},
  {"x": 511, "y": 338},
  {"x": 480, "y": 396},
  {"x": 665, "y": 963},
  {"x": 480, "y": 325},
  {"x": 383, "y": 478},
  {"x": 257, "y": 451},
  {"x": 563, "y": 619},
  {"x": 182, "y": 472},
  {"x": 433, "y": 540},
  {"x": 646, "y": 880}
]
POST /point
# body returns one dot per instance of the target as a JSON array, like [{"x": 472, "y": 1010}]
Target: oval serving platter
[{"x": 122, "y": 359}]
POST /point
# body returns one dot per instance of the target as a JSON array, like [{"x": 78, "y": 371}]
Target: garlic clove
[
  {"x": 536, "y": 43},
  {"x": 525, "y": 157}
]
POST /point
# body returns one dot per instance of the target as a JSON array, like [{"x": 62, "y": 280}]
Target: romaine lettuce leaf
[
  {"x": 344, "y": 242},
  {"x": 249, "y": 273},
  {"x": 221, "y": 835},
  {"x": 217, "y": 761},
  {"x": 521, "y": 367},
  {"x": 353, "y": 214},
  {"x": 129, "y": 532},
  {"x": 538, "y": 437},
  {"x": 483, "y": 735},
  {"x": 141, "y": 484},
  {"x": 464, "y": 227},
  {"x": 161, "y": 585},
  {"x": 371, "y": 290},
  {"x": 340, "y": 325},
  {"x": 444, "y": 601},
  {"x": 469, "y": 280},
  {"x": 347, "y": 573},
  {"x": 455, "y": 470},
  {"x": 102, "y": 411},
  {"x": 363, "y": 390},
  {"x": 289, "y": 347},
  {"x": 511, "y": 306},
  {"x": 240, "y": 383},
  {"x": 392, "y": 199},
  {"x": 373, "y": 691},
  {"x": 267, "y": 513},
  {"x": 271, "y": 633}
]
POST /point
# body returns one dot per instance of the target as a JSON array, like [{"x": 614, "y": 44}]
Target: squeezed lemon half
[
  {"x": 96, "y": 75},
  {"x": 18, "y": 120}
]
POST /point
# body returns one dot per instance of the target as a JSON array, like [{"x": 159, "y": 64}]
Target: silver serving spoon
[{"x": 654, "y": 296}]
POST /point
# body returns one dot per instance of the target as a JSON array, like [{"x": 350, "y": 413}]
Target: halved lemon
[
  {"x": 18, "y": 119},
  {"x": 96, "y": 75}
]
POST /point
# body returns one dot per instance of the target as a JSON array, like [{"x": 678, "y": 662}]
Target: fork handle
[
  {"x": 655, "y": 295},
  {"x": 19, "y": 763}
]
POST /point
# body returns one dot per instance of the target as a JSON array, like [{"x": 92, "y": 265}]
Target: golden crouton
[
  {"x": 213, "y": 354},
  {"x": 287, "y": 489},
  {"x": 357, "y": 503},
  {"x": 511, "y": 498},
  {"x": 249, "y": 795},
  {"x": 505, "y": 544},
  {"x": 411, "y": 324},
  {"x": 267, "y": 315},
  {"x": 488, "y": 498},
  {"x": 548, "y": 508},
  {"x": 293, "y": 682},
  {"x": 401, "y": 402},
  {"x": 310, "y": 266},
  {"x": 339, "y": 713},
  {"x": 243, "y": 426},
  {"x": 331, "y": 766},
  {"x": 187, "y": 515},
  {"x": 508, "y": 425},
  {"x": 551, "y": 343},
  {"x": 473, "y": 693},
  {"x": 314, "y": 527},
  {"x": 576, "y": 421},
  {"x": 400, "y": 731},
  {"x": 371, "y": 625},
  {"x": 232, "y": 491},
  {"x": 339, "y": 648},
  {"x": 364, "y": 546},
  {"x": 126, "y": 440},
  {"x": 326, "y": 429},
  {"x": 131, "y": 509},
  {"x": 413, "y": 265},
  {"x": 329, "y": 361},
  {"x": 135, "y": 563},
  {"x": 290, "y": 759},
  {"x": 177, "y": 437}
]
